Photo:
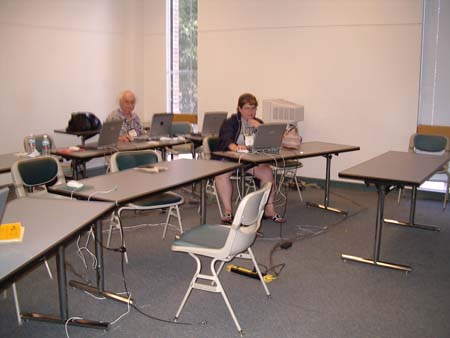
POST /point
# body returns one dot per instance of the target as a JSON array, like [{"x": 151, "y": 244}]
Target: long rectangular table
[
  {"x": 385, "y": 172},
  {"x": 306, "y": 149},
  {"x": 50, "y": 224},
  {"x": 80, "y": 156},
  {"x": 128, "y": 185}
]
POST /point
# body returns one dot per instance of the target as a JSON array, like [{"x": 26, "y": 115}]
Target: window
[{"x": 182, "y": 51}]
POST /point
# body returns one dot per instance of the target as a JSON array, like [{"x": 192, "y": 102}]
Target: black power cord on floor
[
  {"x": 135, "y": 307},
  {"x": 122, "y": 249},
  {"x": 286, "y": 243},
  {"x": 134, "y": 304}
]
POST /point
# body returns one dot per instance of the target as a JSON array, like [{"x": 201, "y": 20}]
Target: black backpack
[{"x": 83, "y": 121}]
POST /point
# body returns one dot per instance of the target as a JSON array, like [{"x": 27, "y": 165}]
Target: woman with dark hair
[{"x": 231, "y": 138}]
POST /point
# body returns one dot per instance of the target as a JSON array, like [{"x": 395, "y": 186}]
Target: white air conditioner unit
[{"x": 279, "y": 110}]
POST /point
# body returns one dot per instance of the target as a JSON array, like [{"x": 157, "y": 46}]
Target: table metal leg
[
  {"x": 63, "y": 302},
  {"x": 381, "y": 189},
  {"x": 78, "y": 169},
  {"x": 325, "y": 205},
  {"x": 242, "y": 172},
  {"x": 100, "y": 274},
  {"x": 62, "y": 284},
  {"x": 99, "y": 269},
  {"x": 411, "y": 223},
  {"x": 203, "y": 202}
]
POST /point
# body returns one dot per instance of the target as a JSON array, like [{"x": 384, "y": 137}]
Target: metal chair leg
[
  {"x": 191, "y": 285},
  {"x": 446, "y": 194},
  {"x": 252, "y": 256},
  {"x": 48, "y": 269},
  {"x": 224, "y": 295},
  {"x": 399, "y": 197},
  {"x": 174, "y": 210},
  {"x": 113, "y": 219},
  {"x": 16, "y": 303}
]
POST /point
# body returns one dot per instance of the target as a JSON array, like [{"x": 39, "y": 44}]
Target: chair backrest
[
  {"x": 426, "y": 143},
  {"x": 181, "y": 128},
  {"x": 247, "y": 221},
  {"x": 38, "y": 139},
  {"x": 123, "y": 160},
  {"x": 210, "y": 144},
  {"x": 30, "y": 173}
]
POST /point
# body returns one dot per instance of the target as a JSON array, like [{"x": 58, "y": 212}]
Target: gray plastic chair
[
  {"x": 222, "y": 244},
  {"x": 287, "y": 171},
  {"x": 180, "y": 129},
  {"x": 434, "y": 145},
  {"x": 33, "y": 175},
  {"x": 167, "y": 200},
  {"x": 66, "y": 166}
]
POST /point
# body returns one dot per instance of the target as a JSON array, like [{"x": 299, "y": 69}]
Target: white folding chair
[{"x": 223, "y": 243}]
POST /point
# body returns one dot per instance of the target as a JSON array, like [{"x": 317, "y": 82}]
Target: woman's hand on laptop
[
  {"x": 125, "y": 138},
  {"x": 238, "y": 148}
]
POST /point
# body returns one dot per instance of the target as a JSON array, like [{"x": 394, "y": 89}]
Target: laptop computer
[
  {"x": 268, "y": 138},
  {"x": 3, "y": 198},
  {"x": 109, "y": 135},
  {"x": 161, "y": 126},
  {"x": 212, "y": 122}
]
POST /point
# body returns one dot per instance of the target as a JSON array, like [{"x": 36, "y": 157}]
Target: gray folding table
[
  {"x": 49, "y": 225},
  {"x": 306, "y": 149},
  {"x": 386, "y": 172}
]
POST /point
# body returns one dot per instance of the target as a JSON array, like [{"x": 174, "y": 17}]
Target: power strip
[{"x": 249, "y": 273}]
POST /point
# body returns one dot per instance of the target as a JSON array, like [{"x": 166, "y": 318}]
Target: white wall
[
  {"x": 353, "y": 64},
  {"x": 60, "y": 56},
  {"x": 57, "y": 57},
  {"x": 154, "y": 70}
]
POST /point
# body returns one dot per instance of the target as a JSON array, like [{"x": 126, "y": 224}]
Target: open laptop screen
[
  {"x": 268, "y": 137},
  {"x": 161, "y": 125},
  {"x": 108, "y": 137}
]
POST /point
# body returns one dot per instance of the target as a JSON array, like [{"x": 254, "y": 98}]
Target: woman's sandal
[
  {"x": 276, "y": 218},
  {"x": 227, "y": 218}
]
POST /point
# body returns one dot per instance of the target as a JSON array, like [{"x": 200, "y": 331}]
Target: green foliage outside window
[{"x": 188, "y": 55}]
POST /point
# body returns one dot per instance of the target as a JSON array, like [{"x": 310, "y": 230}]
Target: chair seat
[
  {"x": 159, "y": 200},
  {"x": 202, "y": 238}
]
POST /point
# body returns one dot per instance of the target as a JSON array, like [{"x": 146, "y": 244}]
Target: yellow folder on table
[{"x": 11, "y": 232}]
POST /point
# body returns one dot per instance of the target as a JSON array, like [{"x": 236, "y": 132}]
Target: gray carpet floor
[{"x": 316, "y": 294}]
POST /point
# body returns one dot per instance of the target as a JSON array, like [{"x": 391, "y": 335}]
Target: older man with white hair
[{"x": 131, "y": 126}]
